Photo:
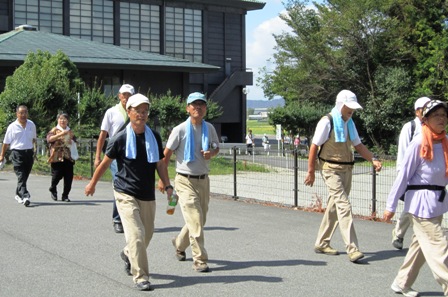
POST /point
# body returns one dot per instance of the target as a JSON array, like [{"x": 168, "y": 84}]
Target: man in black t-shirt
[{"x": 139, "y": 153}]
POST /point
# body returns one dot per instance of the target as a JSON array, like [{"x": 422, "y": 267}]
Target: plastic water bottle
[{"x": 172, "y": 203}]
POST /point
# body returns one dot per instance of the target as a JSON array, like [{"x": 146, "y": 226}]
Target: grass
[
  {"x": 82, "y": 169},
  {"x": 260, "y": 127}
]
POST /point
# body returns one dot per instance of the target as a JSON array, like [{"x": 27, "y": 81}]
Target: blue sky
[{"x": 260, "y": 25}]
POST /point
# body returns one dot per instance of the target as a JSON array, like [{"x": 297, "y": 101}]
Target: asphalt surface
[{"x": 70, "y": 249}]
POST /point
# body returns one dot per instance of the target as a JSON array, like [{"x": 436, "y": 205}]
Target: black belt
[
  {"x": 203, "y": 176},
  {"x": 337, "y": 162},
  {"x": 427, "y": 187}
]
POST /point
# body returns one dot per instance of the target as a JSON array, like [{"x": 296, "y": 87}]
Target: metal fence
[{"x": 282, "y": 181}]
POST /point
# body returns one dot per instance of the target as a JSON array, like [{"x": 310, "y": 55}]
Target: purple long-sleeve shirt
[{"x": 417, "y": 171}]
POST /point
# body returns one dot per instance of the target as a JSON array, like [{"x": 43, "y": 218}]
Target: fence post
[
  {"x": 373, "y": 191},
  {"x": 296, "y": 178},
  {"x": 235, "y": 196}
]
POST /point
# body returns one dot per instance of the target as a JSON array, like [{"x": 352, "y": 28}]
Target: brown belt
[{"x": 203, "y": 176}]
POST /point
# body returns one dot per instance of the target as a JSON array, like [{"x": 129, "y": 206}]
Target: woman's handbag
[{"x": 74, "y": 151}]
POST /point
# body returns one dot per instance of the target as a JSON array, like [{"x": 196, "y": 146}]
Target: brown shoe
[
  {"x": 180, "y": 256},
  {"x": 328, "y": 250},
  {"x": 201, "y": 267},
  {"x": 355, "y": 256}
]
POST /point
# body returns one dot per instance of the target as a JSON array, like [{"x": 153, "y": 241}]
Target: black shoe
[
  {"x": 127, "y": 264},
  {"x": 54, "y": 195},
  {"x": 118, "y": 227},
  {"x": 26, "y": 201},
  {"x": 144, "y": 286},
  {"x": 65, "y": 199}
]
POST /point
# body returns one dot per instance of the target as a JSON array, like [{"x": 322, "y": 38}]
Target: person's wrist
[{"x": 169, "y": 187}]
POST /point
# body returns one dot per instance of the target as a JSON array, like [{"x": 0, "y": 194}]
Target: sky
[{"x": 260, "y": 25}]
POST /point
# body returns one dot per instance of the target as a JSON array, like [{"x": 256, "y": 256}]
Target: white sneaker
[
  {"x": 408, "y": 292},
  {"x": 26, "y": 201},
  {"x": 18, "y": 199}
]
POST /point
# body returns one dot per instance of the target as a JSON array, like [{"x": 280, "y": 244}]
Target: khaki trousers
[
  {"x": 137, "y": 217},
  {"x": 338, "y": 211},
  {"x": 194, "y": 197},
  {"x": 429, "y": 243},
  {"x": 402, "y": 224}
]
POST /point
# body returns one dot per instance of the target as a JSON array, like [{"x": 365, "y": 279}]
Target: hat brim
[
  {"x": 353, "y": 105},
  {"x": 194, "y": 100}
]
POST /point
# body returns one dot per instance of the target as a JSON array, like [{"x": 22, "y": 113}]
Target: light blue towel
[
  {"x": 152, "y": 149},
  {"x": 338, "y": 126},
  {"x": 189, "y": 140}
]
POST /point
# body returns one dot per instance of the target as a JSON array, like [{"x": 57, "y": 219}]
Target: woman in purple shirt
[{"x": 422, "y": 178}]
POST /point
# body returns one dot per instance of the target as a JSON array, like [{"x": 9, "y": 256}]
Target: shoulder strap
[
  {"x": 412, "y": 130},
  {"x": 330, "y": 117}
]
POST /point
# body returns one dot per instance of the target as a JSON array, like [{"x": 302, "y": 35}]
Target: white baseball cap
[
  {"x": 348, "y": 98},
  {"x": 420, "y": 102},
  {"x": 136, "y": 100},
  {"x": 126, "y": 88}
]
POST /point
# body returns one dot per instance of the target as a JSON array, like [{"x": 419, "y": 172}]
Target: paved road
[{"x": 69, "y": 249}]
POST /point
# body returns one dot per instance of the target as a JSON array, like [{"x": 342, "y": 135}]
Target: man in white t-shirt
[
  {"x": 113, "y": 121},
  {"x": 408, "y": 132},
  {"x": 20, "y": 138}
]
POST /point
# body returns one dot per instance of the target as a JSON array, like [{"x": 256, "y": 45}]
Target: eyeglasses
[{"x": 144, "y": 112}]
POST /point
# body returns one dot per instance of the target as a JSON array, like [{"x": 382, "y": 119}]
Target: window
[
  {"x": 184, "y": 33},
  {"x": 92, "y": 20},
  {"x": 45, "y": 15},
  {"x": 140, "y": 26}
]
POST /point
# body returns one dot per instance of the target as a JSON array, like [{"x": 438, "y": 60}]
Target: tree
[
  {"x": 387, "y": 52},
  {"x": 167, "y": 111},
  {"x": 296, "y": 118},
  {"x": 92, "y": 106},
  {"x": 47, "y": 84}
]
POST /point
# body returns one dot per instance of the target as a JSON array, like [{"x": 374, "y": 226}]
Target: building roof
[
  {"x": 245, "y": 4},
  {"x": 16, "y": 44}
]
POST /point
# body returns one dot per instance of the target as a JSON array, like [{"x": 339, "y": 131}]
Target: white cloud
[{"x": 260, "y": 48}]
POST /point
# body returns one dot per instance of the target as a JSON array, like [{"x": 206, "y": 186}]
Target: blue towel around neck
[
  {"x": 189, "y": 140},
  {"x": 338, "y": 125},
  {"x": 152, "y": 149}
]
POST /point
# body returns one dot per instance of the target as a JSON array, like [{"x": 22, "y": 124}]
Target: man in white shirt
[
  {"x": 408, "y": 132},
  {"x": 113, "y": 121},
  {"x": 21, "y": 138}
]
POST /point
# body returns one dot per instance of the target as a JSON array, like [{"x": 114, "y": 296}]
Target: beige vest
[{"x": 337, "y": 152}]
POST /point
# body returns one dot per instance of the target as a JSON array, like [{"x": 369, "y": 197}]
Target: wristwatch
[
  {"x": 169, "y": 187},
  {"x": 375, "y": 159}
]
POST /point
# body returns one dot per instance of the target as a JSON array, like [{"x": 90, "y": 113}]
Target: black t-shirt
[{"x": 135, "y": 177}]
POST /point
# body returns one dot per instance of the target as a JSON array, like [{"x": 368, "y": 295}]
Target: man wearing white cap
[
  {"x": 194, "y": 142},
  {"x": 139, "y": 152},
  {"x": 408, "y": 132},
  {"x": 113, "y": 120},
  {"x": 335, "y": 135}
]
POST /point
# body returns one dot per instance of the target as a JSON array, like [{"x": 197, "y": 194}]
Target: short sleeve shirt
[
  {"x": 20, "y": 138},
  {"x": 135, "y": 177},
  {"x": 112, "y": 121},
  {"x": 176, "y": 143}
]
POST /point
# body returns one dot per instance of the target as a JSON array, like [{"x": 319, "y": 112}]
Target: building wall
[{"x": 223, "y": 39}]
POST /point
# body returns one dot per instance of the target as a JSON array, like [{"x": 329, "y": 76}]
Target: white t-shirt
[
  {"x": 323, "y": 128},
  {"x": 405, "y": 137},
  {"x": 112, "y": 121},
  {"x": 20, "y": 138}
]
